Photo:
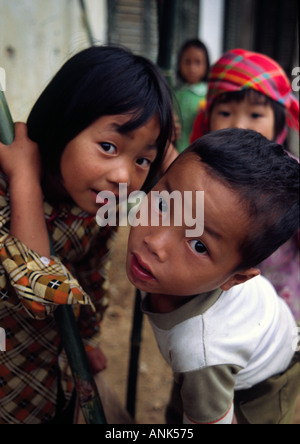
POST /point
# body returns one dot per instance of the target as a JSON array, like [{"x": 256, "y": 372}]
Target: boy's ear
[{"x": 240, "y": 278}]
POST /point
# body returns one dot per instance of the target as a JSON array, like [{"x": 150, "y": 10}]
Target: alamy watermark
[
  {"x": 296, "y": 80},
  {"x": 2, "y": 340},
  {"x": 2, "y": 79},
  {"x": 158, "y": 208}
]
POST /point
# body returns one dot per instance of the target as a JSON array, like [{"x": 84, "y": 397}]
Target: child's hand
[
  {"x": 21, "y": 159},
  {"x": 97, "y": 360}
]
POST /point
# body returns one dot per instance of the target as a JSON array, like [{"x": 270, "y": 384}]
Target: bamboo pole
[
  {"x": 6, "y": 123},
  {"x": 89, "y": 399}
]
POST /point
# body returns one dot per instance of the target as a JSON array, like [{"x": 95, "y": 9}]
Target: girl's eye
[
  {"x": 224, "y": 113},
  {"x": 198, "y": 247},
  {"x": 256, "y": 115},
  {"x": 109, "y": 148},
  {"x": 144, "y": 163}
]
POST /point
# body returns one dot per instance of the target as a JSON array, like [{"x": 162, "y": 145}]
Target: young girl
[
  {"x": 250, "y": 90},
  {"x": 105, "y": 119},
  {"x": 192, "y": 72}
]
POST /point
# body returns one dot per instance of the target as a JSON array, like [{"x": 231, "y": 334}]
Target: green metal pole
[
  {"x": 86, "y": 389},
  {"x": 7, "y": 132},
  {"x": 89, "y": 399},
  {"x": 136, "y": 339}
]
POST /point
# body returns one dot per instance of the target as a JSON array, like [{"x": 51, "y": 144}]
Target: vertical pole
[
  {"x": 86, "y": 389},
  {"x": 87, "y": 23},
  {"x": 167, "y": 11},
  {"x": 6, "y": 122},
  {"x": 136, "y": 338}
]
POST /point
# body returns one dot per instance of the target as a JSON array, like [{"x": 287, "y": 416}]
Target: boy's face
[
  {"x": 162, "y": 260},
  {"x": 258, "y": 117}
]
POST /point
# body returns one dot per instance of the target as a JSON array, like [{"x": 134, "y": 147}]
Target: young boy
[{"x": 230, "y": 340}]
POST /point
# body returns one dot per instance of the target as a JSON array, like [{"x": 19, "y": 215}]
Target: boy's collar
[{"x": 195, "y": 307}]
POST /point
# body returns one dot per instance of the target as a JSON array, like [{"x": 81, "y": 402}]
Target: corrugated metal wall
[{"x": 133, "y": 24}]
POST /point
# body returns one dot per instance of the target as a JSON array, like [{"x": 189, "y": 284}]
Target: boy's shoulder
[{"x": 256, "y": 292}]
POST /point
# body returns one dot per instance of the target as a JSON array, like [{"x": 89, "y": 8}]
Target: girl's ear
[{"x": 240, "y": 278}]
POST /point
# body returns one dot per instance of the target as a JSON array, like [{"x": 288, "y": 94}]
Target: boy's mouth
[{"x": 140, "y": 270}]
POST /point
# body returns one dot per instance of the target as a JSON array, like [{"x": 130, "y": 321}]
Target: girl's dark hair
[
  {"x": 265, "y": 178},
  {"x": 256, "y": 98},
  {"x": 194, "y": 43},
  {"x": 97, "y": 82}
]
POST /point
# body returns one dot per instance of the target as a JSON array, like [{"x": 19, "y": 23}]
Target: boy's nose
[{"x": 157, "y": 244}]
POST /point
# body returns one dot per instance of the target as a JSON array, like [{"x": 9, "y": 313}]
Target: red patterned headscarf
[{"x": 238, "y": 70}]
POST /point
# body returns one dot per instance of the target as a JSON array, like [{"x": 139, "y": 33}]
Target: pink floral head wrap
[{"x": 238, "y": 70}]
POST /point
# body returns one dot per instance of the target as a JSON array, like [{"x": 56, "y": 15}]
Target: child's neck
[{"x": 164, "y": 303}]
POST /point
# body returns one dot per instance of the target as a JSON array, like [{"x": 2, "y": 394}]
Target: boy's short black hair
[
  {"x": 267, "y": 180},
  {"x": 256, "y": 98},
  {"x": 96, "y": 82}
]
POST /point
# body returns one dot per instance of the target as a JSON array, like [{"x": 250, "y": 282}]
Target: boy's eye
[
  {"x": 109, "y": 148},
  {"x": 144, "y": 163},
  {"x": 198, "y": 247},
  {"x": 162, "y": 205}
]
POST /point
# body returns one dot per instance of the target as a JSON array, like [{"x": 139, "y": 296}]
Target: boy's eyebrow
[
  {"x": 212, "y": 232},
  {"x": 207, "y": 229}
]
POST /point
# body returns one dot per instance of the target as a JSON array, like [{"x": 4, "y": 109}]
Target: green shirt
[{"x": 190, "y": 98}]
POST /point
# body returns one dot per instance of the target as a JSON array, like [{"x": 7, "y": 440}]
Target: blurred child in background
[{"x": 192, "y": 73}]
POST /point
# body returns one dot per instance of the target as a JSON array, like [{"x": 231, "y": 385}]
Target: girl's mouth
[{"x": 106, "y": 201}]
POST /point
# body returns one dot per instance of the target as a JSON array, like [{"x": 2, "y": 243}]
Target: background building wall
[{"x": 36, "y": 38}]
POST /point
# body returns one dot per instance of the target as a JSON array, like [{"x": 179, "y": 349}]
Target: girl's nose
[
  {"x": 120, "y": 174},
  {"x": 241, "y": 122}
]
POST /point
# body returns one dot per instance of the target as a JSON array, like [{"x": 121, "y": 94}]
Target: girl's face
[
  {"x": 102, "y": 156},
  {"x": 258, "y": 117},
  {"x": 193, "y": 65}
]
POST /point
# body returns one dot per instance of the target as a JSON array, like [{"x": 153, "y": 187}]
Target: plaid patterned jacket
[{"x": 31, "y": 288}]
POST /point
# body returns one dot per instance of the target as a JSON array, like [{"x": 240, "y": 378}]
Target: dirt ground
[{"x": 155, "y": 378}]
